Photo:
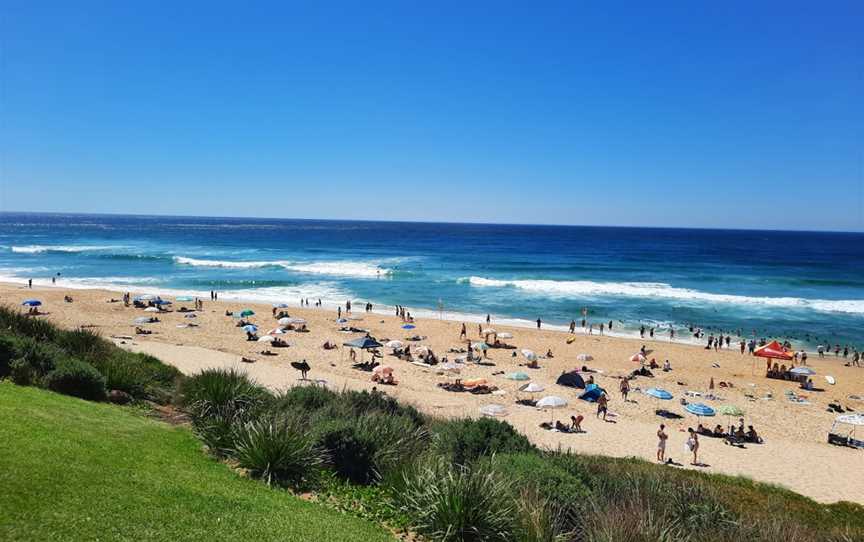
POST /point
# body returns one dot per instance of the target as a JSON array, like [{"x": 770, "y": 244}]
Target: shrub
[
  {"x": 358, "y": 403},
  {"x": 278, "y": 451},
  {"x": 121, "y": 375},
  {"x": 537, "y": 473},
  {"x": 20, "y": 372},
  {"x": 77, "y": 378},
  {"x": 540, "y": 519},
  {"x": 463, "y": 441},
  {"x": 451, "y": 503},
  {"x": 305, "y": 399},
  {"x": 40, "y": 356},
  {"x": 362, "y": 450},
  {"x": 220, "y": 391},
  {"x": 7, "y": 354},
  {"x": 35, "y": 328},
  {"x": 84, "y": 344}
]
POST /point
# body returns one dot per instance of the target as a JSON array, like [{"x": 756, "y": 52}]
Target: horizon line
[{"x": 443, "y": 222}]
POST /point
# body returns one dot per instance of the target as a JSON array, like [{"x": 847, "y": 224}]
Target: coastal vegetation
[{"x": 360, "y": 453}]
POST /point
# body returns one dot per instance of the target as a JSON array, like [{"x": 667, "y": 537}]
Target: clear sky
[{"x": 709, "y": 114}]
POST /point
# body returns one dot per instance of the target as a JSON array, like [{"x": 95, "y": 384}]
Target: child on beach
[{"x": 692, "y": 445}]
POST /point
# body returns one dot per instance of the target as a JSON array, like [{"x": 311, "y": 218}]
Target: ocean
[{"x": 804, "y": 286}]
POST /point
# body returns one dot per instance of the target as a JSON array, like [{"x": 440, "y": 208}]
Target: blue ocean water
[{"x": 805, "y": 286}]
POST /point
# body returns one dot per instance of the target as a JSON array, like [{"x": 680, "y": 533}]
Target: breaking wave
[
  {"x": 586, "y": 288},
  {"x": 333, "y": 268}
]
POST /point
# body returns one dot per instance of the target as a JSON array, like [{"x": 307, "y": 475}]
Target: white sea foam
[
  {"x": 585, "y": 288},
  {"x": 332, "y": 268},
  {"x": 36, "y": 249}
]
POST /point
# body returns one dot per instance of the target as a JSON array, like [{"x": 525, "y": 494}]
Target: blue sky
[{"x": 720, "y": 114}]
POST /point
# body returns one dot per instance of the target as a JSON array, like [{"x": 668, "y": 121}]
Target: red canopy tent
[{"x": 773, "y": 350}]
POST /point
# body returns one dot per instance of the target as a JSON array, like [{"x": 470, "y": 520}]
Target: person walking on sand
[
  {"x": 30, "y": 285},
  {"x": 488, "y": 319},
  {"x": 464, "y": 333},
  {"x": 572, "y": 326},
  {"x": 602, "y": 406},
  {"x": 692, "y": 445},
  {"x": 662, "y": 437},
  {"x": 625, "y": 388},
  {"x": 539, "y": 322}
]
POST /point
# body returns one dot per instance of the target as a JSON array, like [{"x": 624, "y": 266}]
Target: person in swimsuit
[{"x": 661, "y": 443}]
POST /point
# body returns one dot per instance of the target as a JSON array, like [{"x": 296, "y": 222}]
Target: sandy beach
[{"x": 795, "y": 453}]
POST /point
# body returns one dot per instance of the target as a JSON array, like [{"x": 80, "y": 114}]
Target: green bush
[
  {"x": 40, "y": 355},
  {"x": 277, "y": 450},
  {"x": 305, "y": 399},
  {"x": 463, "y": 441},
  {"x": 457, "y": 503},
  {"x": 7, "y": 354},
  {"x": 358, "y": 403},
  {"x": 363, "y": 450},
  {"x": 20, "y": 372},
  {"x": 536, "y": 472},
  {"x": 36, "y": 328},
  {"x": 220, "y": 391},
  {"x": 122, "y": 375},
  {"x": 77, "y": 378},
  {"x": 84, "y": 344}
]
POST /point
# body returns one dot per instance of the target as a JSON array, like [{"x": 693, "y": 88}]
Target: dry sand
[{"x": 795, "y": 453}]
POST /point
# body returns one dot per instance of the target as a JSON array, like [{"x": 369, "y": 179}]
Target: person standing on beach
[
  {"x": 464, "y": 333},
  {"x": 641, "y": 332},
  {"x": 625, "y": 388},
  {"x": 602, "y": 405},
  {"x": 610, "y": 325},
  {"x": 601, "y": 328},
  {"x": 539, "y": 322},
  {"x": 662, "y": 437},
  {"x": 572, "y": 326},
  {"x": 488, "y": 319},
  {"x": 30, "y": 285},
  {"x": 671, "y": 333},
  {"x": 692, "y": 445}
]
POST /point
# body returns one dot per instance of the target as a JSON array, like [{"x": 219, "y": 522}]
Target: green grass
[{"x": 74, "y": 470}]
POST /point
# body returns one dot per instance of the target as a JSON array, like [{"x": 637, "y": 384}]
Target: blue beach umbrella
[
  {"x": 250, "y": 328},
  {"x": 32, "y": 303},
  {"x": 408, "y": 326},
  {"x": 145, "y": 297},
  {"x": 341, "y": 321},
  {"x": 658, "y": 393},
  {"x": 162, "y": 302},
  {"x": 280, "y": 305},
  {"x": 699, "y": 409}
]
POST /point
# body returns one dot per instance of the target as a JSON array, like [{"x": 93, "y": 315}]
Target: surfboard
[
  {"x": 570, "y": 340},
  {"x": 830, "y": 379}
]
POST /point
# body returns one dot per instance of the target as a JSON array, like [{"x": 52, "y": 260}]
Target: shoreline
[{"x": 795, "y": 433}]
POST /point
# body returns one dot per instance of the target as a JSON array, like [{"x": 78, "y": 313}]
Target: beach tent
[
  {"x": 773, "y": 350},
  {"x": 843, "y": 430},
  {"x": 571, "y": 380},
  {"x": 493, "y": 410},
  {"x": 592, "y": 393},
  {"x": 803, "y": 371}
]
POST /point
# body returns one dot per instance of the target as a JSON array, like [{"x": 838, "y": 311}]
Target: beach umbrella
[
  {"x": 551, "y": 402},
  {"x": 250, "y": 328},
  {"x": 247, "y": 312},
  {"x": 493, "y": 410},
  {"x": 341, "y": 321},
  {"x": 505, "y": 335},
  {"x": 280, "y": 305},
  {"x": 394, "y": 344},
  {"x": 532, "y": 387},
  {"x": 141, "y": 320},
  {"x": 284, "y": 321},
  {"x": 162, "y": 302},
  {"x": 277, "y": 331},
  {"x": 363, "y": 343},
  {"x": 292, "y": 321},
  {"x": 32, "y": 303},
  {"x": 773, "y": 350},
  {"x": 489, "y": 331},
  {"x": 529, "y": 354},
  {"x": 658, "y": 393},
  {"x": 479, "y": 346},
  {"x": 266, "y": 339},
  {"x": 408, "y": 326},
  {"x": 638, "y": 358},
  {"x": 151, "y": 309},
  {"x": 699, "y": 409},
  {"x": 145, "y": 297},
  {"x": 184, "y": 298},
  {"x": 730, "y": 410},
  {"x": 803, "y": 371},
  {"x": 519, "y": 375},
  {"x": 584, "y": 357}
]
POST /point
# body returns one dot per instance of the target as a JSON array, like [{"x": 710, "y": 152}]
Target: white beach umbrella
[
  {"x": 529, "y": 354},
  {"x": 493, "y": 410},
  {"x": 505, "y": 335},
  {"x": 284, "y": 321},
  {"x": 267, "y": 339},
  {"x": 151, "y": 309},
  {"x": 277, "y": 331},
  {"x": 803, "y": 371},
  {"x": 452, "y": 367},
  {"x": 141, "y": 320},
  {"x": 639, "y": 358},
  {"x": 489, "y": 331},
  {"x": 584, "y": 357},
  {"x": 533, "y": 387},
  {"x": 394, "y": 344},
  {"x": 551, "y": 402},
  {"x": 295, "y": 321}
]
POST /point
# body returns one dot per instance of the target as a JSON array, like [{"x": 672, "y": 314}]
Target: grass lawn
[{"x": 74, "y": 470}]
